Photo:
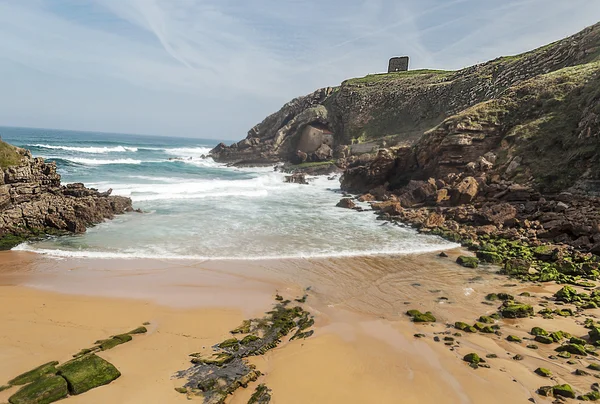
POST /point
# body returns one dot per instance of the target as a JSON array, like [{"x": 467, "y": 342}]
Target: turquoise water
[{"x": 198, "y": 209}]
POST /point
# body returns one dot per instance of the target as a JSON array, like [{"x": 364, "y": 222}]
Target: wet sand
[{"x": 363, "y": 349}]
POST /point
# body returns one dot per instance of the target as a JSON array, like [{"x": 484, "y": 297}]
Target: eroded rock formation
[{"x": 33, "y": 202}]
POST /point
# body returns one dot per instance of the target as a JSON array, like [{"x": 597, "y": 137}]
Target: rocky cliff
[
  {"x": 398, "y": 108},
  {"x": 508, "y": 148},
  {"x": 34, "y": 203}
]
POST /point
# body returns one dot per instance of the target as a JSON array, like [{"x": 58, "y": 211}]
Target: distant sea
[{"x": 198, "y": 209}]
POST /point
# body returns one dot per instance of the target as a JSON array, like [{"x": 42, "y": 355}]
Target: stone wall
[{"x": 398, "y": 64}]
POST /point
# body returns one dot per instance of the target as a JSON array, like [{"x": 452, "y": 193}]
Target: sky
[{"x": 215, "y": 68}]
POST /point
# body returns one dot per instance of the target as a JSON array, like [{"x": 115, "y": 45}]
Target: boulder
[
  {"x": 87, "y": 372},
  {"x": 465, "y": 192},
  {"x": 347, "y": 203},
  {"x": 496, "y": 214},
  {"x": 323, "y": 153},
  {"x": 469, "y": 262},
  {"x": 516, "y": 267},
  {"x": 392, "y": 208},
  {"x": 366, "y": 198},
  {"x": 296, "y": 178},
  {"x": 516, "y": 310}
]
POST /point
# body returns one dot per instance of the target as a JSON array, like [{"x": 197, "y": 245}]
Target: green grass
[
  {"x": 314, "y": 164},
  {"x": 382, "y": 77},
  {"x": 9, "y": 155}
]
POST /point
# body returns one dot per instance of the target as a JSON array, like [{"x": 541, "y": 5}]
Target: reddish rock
[
  {"x": 347, "y": 203},
  {"x": 465, "y": 192}
]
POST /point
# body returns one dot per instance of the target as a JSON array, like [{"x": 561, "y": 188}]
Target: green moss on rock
[
  {"x": 513, "y": 338},
  {"x": 229, "y": 343},
  {"x": 419, "y": 317},
  {"x": 543, "y": 339},
  {"x": 591, "y": 396},
  {"x": 114, "y": 341},
  {"x": 469, "y": 262},
  {"x": 139, "y": 330},
  {"x": 563, "y": 390},
  {"x": 567, "y": 294},
  {"x": 459, "y": 325},
  {"x": 543, "y": 372},
  {"x": 472, "y": 358},
  {"x": 594, "y": 366},
  {"x": 516, "y": 267},
  {"x": 87, "y": 372},
  {"x": 574, "y": 349},
  {"x": 538, "y": 331},
  {"x": 44, "y": 390},
  {"x": 486, "y": 320},
  {"x": 516, "y": 310},
  {"x": 490, "y": 257},
  {"x": 34, "y": 374}
]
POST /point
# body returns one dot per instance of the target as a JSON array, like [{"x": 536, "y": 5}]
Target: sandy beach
[{"x": 363, "y": 349}]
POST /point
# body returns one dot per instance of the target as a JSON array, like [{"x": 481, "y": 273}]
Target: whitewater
[{"x": 197, "y": 209}]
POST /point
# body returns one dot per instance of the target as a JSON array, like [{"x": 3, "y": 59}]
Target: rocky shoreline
[
  {"x": 501, "y": 158},
  {"x": 34, "y": 203}
]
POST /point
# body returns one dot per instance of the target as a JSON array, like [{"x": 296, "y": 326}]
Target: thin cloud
[{"x": 213, "y": 68}]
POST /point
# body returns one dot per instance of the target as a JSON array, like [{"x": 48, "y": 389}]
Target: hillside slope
[{"x": 398, "y": 108}]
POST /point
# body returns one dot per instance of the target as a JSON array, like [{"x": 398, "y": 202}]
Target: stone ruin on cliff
[{"x": 398, "y": 64}]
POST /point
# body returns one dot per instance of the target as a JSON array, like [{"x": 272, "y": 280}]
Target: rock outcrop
[
  {"x": 34, "y": 203},
  {"x": 396, "y": 109}
]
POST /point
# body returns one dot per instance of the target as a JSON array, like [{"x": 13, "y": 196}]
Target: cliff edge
[
  {"x": 33, "y": 202},
  {"x": 439, "y": 114}
]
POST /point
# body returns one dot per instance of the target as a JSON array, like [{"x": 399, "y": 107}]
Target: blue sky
[{"x": 214, "y": 68}]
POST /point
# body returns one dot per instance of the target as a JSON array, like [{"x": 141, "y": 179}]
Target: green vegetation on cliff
[{"x": 9, "y": 155}]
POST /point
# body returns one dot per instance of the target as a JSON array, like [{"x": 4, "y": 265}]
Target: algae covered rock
[
  {"x": 567, "y": 294},
  {"x": 574, "y": 349},
  {"x": 87, "y": 372},
  {"x": 486, "y": 320},
  {"x": 262, "y": 395},
  {"x": 469, "y": 262},
  {"x": 546, "y": 391},
  {"x": 543, "y": 372},
  {"x": 563, "y": 390},
  {"x": 44, "y": 390},
  {"x": 516, "y": 267},
  {"x": 114, "y": 341},
  {"x": 538, "y": 331},
  {"x": 459, "y": 325},
  {"x": 516, "y": 310},
  {"x": 544, "y": 339},
  {"x": 594, "y": 366},
  {"x": 499, "y": 296},
  {"x": 513, "y": 338},
  {"x": 472, "y": 358},
  {"x": 419, "y": 317},
  {"x": 490, "y": 257},
  {"x": 591, "y": 396},
  {"x": 34, "y": 374}
]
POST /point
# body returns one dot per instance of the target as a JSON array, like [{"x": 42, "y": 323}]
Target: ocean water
[{"x": 195, "y": 208}]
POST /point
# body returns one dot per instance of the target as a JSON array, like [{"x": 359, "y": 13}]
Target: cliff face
[
  {"x": 398, "y": 108},
  {"x": 33, "y": 202}
]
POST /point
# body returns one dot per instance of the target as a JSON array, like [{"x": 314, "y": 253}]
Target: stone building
[{"x": 398, "y": 64}]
